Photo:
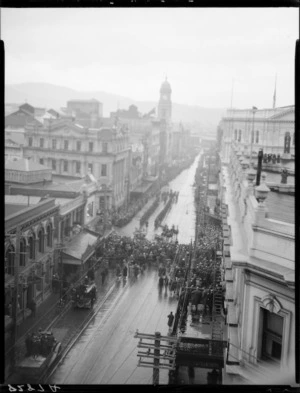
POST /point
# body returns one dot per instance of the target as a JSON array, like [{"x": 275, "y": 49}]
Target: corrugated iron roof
[{"x": 78, "y": 245}]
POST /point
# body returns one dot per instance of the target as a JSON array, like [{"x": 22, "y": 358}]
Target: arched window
[
  {"x": 10, "y": 260},
  {"x": 257, "y": 137},
  {"x": 41, "y": 240},
  {"x": 240, "y": 135},
  {"x": 49, "y": 235},
  {"x": 235, "y": 135},
  {"x": 22, "y": 252},
  {"x": 31, "y": 242}
]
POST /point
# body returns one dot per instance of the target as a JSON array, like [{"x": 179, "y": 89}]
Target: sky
[{"x": 125, "y": 51}]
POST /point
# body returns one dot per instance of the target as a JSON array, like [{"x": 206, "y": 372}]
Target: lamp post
[{"x": 254, "y": 109}]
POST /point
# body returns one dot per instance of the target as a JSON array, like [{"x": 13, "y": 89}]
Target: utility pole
[
  {"x": 16, "y": 283},
  {"x": 165, "y": 360}
]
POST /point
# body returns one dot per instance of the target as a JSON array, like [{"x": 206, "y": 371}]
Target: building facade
[
  {"x": 258, "y": 129},
  {"x": 259, "y": 265},
  {"x": 36, "y": 226},
  {"x": 72, "y": 150}
]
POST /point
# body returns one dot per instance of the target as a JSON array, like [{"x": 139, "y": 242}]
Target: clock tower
[{"x": 165, "y": 103}]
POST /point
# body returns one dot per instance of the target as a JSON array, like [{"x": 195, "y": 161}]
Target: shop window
[{"x": 272, "y": 336}]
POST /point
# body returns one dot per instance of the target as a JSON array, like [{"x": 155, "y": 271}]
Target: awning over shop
[
  {"x": 144, "y": 187},
  {"x": 80, "y": 248}
]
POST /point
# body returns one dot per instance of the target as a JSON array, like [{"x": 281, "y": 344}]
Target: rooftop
[
  {"x": 281, "y": 207},
  {"x": 24, "y": 165},
  {"x": 78, "y": 245},
  {"x": 13, "y": 208}
]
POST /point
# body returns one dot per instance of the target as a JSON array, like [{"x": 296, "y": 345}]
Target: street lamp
[{"x": 254, "y": 109}]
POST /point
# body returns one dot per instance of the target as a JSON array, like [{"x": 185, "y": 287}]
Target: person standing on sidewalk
[{"x": 170, "y": 320}]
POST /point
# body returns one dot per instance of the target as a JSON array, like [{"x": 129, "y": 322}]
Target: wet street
[
  {"x": 106, "y": 351},
  {"x": 182, "y": 213}
]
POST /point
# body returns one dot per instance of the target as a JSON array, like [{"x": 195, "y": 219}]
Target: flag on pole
[{"x": 274, "y": 95}]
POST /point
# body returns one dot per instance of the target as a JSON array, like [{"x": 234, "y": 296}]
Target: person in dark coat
[
  {"x": 125, "y": 271},
  {"x": 170, "y": 319}
]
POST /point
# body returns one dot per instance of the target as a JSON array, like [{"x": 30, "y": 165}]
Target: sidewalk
[{"x": 47, "y": 318}]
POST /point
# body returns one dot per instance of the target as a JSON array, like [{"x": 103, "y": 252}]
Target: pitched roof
[
  {"x": 24, "y": 165},
  {"x": 78, "y": 245}
]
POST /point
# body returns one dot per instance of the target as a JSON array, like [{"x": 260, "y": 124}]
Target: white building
[
  {"x": 259, "y": 263},
  {"x": 263, "y": 128}
]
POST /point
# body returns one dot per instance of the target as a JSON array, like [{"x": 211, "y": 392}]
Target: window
[
  {"x": 30, "y": 141},
  {"x": 41, "y": 240},
  {"x": 78, "y": 146},
  {"x": 54, "y": 165},
  {"x": 257, "y": 137},
  {"x": 31, "y": 242},
  {"x": 90, "y": 168},
  {"x": 91, "y": 146},
  {"x": 41, "y": 142},
  {"x": 240, "y": 135},
  {"x": 103, "y": 170},
  {"x": 77, "y": 166},
  {"x": 10, "y": 260},
  {"x": 272, "y": 335},
  {"x": 65, "y": 166},
  {"x": 22, "y": 252},
  {"x": 41, "y": 161},
  {"x": 235, "y": 135},
  {"x": 66, "y": 145},
  {"x": 53, "y": 144},
  {"x": 104, "y": 147},
  {"x": 49, "y": 235},
  {"x": 252, "y": 136}
]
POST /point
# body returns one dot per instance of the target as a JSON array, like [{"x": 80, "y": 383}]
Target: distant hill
[{"x": 48, "y": 95}]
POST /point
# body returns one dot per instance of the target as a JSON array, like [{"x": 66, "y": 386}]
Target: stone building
[
  {"x": 86, "y": 112},
  {"x": 258, "y": 129},
  {"x": 26, "y": 171},
  {"x": 259, "y": 266},
  {"x": 73, "y": 150},
  {"x": 36, "y": 260}
]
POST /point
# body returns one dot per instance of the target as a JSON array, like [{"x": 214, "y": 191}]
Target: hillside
[{"x": 48, "y": 95}]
